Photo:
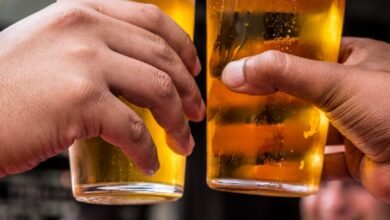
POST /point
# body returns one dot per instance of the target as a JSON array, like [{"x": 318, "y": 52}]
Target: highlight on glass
[
  {"x": 102, "y": 173},
  {"x": 266, "y": 145}
]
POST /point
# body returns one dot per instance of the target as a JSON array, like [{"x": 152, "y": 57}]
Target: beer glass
[
  {"x": 102, "y": 173},
  {"x": 266, "y": 145}
]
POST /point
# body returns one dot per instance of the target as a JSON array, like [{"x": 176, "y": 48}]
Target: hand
[
  {"x": 63, "y": 68},
  {"x": 354, "y": 95}
]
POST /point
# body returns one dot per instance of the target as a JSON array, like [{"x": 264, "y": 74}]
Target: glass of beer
[
  {"x": 103, "y": 174},
  {"x": 274, "y": 144}
]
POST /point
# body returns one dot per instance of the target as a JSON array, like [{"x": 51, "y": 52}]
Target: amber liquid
[
  {"x": 102, "y": 174},
  {"x": 266, "y": 145}
]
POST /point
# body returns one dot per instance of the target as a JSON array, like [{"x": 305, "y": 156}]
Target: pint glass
[
  {"x": 266, "y": 145},
  {"x": 102, "y": 173}
]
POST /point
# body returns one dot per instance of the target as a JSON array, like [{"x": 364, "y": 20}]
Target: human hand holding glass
[
  {"x": 268, "y": 145},
  {"x": 63, "y": 68},
  {"x": 101, "y": 173},
  {"x": 353, "y": 94}
]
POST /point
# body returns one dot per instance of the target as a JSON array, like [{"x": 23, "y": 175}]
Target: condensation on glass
[
  {"x": 267, "y": 145},
  {"x": 102, "y": 174}
]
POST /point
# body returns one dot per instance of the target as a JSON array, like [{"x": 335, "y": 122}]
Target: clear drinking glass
[
  {"x": 102, "y": 174},
  {"x": 267, "y": 145}
]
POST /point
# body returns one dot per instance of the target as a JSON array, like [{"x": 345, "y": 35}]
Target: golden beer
[
  {"x": 266, "y": 145},
  {"x": 102, "y": 173}
]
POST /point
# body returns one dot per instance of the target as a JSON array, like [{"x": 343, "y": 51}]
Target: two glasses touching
[{"x": 265, "y": 145}]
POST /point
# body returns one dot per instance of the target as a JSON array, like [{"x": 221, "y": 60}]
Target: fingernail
[
  {"x": 150, "y": 172},
  {"x": 233, "y": 74},
  {"x": 154, "y": 169},
  {"x": 197, "y": 68}
]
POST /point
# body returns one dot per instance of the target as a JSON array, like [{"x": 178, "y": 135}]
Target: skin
[
  {"x": 354, "y": 94},
  {"x": 63, "y": 68},
  {"x": 343, "y": 200}
]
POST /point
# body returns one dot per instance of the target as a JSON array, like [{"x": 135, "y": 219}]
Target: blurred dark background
[{"x": 44, "y": 193}]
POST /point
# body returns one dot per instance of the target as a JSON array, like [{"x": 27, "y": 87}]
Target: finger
[
  {"x": 148, "y": 87},
  {"x": 122, "y": 127},
  {"x": 346, "y": 49},
  {"x": 365, "y": 53},
  {"x": 149, "y": 48},
  {"x": 342, "y": 162},
  {"x": 354, "y": 159},
  {"x": 322, "y": 83},
  {"x": 151, "y": 18},
  {"x": 375, "y": 178}
]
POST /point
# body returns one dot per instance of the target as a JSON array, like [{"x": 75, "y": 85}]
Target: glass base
[
  {"x": 262, "y": 187},
  {"x": 127, "y": 194}
]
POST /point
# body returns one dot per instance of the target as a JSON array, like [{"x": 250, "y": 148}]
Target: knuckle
[
  {"x": 330, "y": 100},
  {"x": 188, "y": 47},
  {"x": 192, "y": 90},
  {"x": 165, "y": 86},
  {"x": 164, "y": 51},
  {"x": 274, "y": 63},
  {"x": 188, "y": 40},
  {"x": 83, "y": 51},
  {"x": 138, "y": 130},
  {"x": 71, "y": 14},
  {"x": 82, "y": 91},
  {"x": 153, "y": 13}
]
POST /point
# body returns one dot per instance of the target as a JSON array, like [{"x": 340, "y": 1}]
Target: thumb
[{"x": 321, "y": 83}]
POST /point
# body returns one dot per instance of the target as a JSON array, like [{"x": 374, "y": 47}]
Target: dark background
[{"x": 44, "y": 193}]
